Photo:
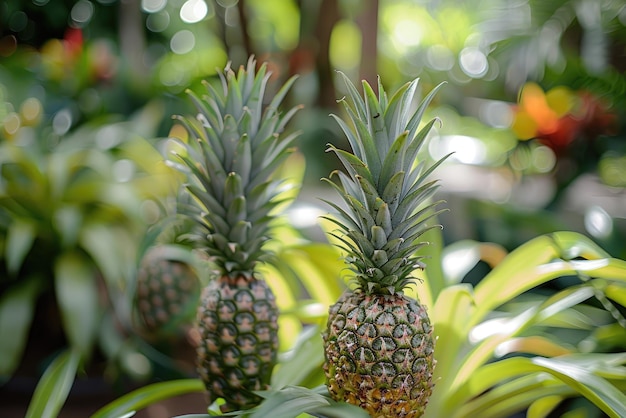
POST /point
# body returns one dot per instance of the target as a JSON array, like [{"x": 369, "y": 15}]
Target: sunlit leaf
[
  {"x": 54, "y": 386},
  {"x": 497, "y": 336},
  {"x": 523, "y": 269},
  {"x": 453, "y": 303},
  {"x": 616, "y": 292},
  {"x": 512, "y": 398},
  {"x": 542, "y": 407},
  {"x": 574, "y": 245},
  {"x": 540, "y": 346},
  {"x": 580, "y": 379}
]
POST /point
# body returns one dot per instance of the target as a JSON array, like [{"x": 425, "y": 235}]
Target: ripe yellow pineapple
[
  {"x": 234, "y": 149},
  {"x": 379, "y": 343}
]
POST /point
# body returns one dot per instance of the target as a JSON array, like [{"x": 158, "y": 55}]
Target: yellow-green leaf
[
  {"x": 54, "y": 386},
  {"x": 148, "y": 395},
  {"x": 20, "y": 238},
  {"x": 17, "y": 307},
  {"x": 77, "y": 295}
]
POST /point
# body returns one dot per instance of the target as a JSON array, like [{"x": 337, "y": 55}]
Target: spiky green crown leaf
[
  {"x": 385, "y": 189},
  {"x": 235, "y": 147}
]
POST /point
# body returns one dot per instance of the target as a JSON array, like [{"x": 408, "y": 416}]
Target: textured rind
[
  {"x": 238, "y": 329},
  {"x": 167, "y": 292},
  {"x": 379, "y": 354}
]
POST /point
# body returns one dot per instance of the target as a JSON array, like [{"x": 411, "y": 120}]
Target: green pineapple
[
  {"x": 168, "y": 290},
  {"x": 378, "y": 343},
  {"x": 234, "y": 150}
]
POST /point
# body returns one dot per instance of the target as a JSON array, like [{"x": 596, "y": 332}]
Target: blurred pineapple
[{"x": 168, "y": 290}]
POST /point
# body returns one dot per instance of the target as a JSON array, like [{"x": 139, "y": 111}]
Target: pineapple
[
  {"x": 168, "y": 290},
  {"x": 234, "y": 149},
  {"x": 378, "y": 344}
]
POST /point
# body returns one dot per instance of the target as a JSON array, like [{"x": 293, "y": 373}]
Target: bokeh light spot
[
  {"x": 497, "y": 114},
  {"x": 12, "y": 123},
  {"x": 182, "y": 42},
  {"x": 440, "y": 58},
  {"x": 467, "y": 149},
  {"x": 153, "y": 6},
  {"x": 123, "y": 170},
  {"x": 108, "y": 137},
  {"x": 18, "y": 21},
  {"x": 62, "y": 122},
  {"x": 345, "y": 51},
  {"x": 150, "y": 211},
  {"x": 193, "y": 11},
  {"x": 473, "y": 62},
  {"x": 8, "y": 45},
  {"x": 598, "y": 222},
  {"x": 158, "y": 22},
  {"x": 543, "y": 159},
  {"x": 31, "y": 111},
  {"x": 82, "y": 12},
  {"x": 407, "y": 33}
]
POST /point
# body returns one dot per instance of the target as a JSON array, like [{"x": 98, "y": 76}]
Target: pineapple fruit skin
[
  {"x": 238, "y": 329},
  {"x": 167, "y": 293},
  {"x": 379, "y": 354}
]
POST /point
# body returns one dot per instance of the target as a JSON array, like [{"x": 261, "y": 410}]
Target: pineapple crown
[
  {"x": 233, "y": 151},
  {"x": 385, "y": 189}
]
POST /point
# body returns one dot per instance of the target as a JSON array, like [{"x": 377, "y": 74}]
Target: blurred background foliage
[{"x": 534, "y": 109}]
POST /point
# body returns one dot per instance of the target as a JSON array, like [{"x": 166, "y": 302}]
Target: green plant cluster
[
  {"x": 503, "y": 345},
  {"x": 528, "y": 314}
]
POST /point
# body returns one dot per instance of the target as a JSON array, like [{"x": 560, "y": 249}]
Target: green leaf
[
  {"x": 416, "y": 118},
  {"x": 397, "y": 110},
  {"x": 354, "y": 166},
  {"x": 289, "y": 402},
  {"x": 376, "y": 121},
  {"x": 148, "y": 395},
  {"x": 574, "y": 245},
  {"x": 306, "y": 356},
  {"x": 54, "y": 386},
  {"x": 359, "y": 104},
  {"x": 500, "y": 334},
  {"x": 393, "y": 161},
  {"x": 581, "y": 379},
  {"x": 194, "y": 416},
  {"x": 541, "y": 408},
  {"x": 77, "y": 295},
  {"x": 20, "y": 238},
  {"x": 318, "y": 267},
  {"x": 513, "y": 397},
  {"x": 524, "y": 268},
  {"x": 295, "y": 401},
  {"x": 340, "y": 410},
  {"x": 17, "y": 307},
  {"x": 435, "y": 279},
  {"x": 454, "y": 302}
]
